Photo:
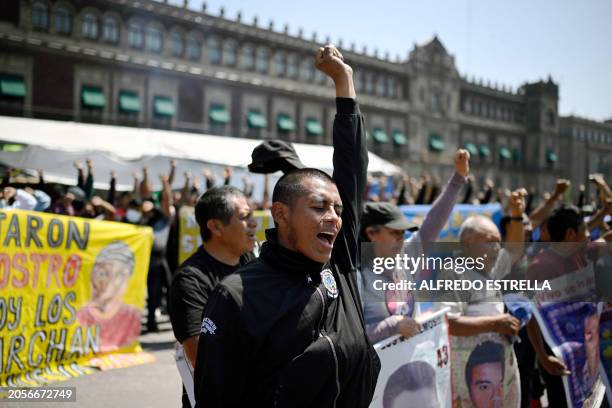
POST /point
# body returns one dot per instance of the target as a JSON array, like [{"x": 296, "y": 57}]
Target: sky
[{"x": 508, "y": 42}]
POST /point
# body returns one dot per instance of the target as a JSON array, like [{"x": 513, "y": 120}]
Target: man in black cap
[
  {"x": 274, "y": 155},
  {"x": 387, "y": 312},
  {"x": 287, "y": 329}
]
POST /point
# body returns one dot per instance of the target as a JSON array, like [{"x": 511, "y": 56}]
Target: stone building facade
[{"x": 151, "y": 64}]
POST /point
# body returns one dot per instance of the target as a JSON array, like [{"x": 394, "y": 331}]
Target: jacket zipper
[{"x": 333, "y": 348}]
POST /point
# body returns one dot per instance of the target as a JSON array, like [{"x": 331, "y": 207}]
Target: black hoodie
[{"x": 286, "y": 331}]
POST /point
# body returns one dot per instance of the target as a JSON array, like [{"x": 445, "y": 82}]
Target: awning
[
  {"x": 504, "y": 153},
  {"x": 285, "y": 123},
  {"x": 516, "y": 154},
  {"x": 436, "y": 143},
  {"x": 313, "y": 127},
  {"x": 471, "y": 147},
  {"x": 256, "y": 120},
  {"x": 129, "y": 102},
  {"x": 551, "y": 156},
  {"x": 163, "y": 107},
  {"x": 218, "y": 114},
  {"x": 399, "y": 139},
  {"x": 93, "y": 97},
  {"x": 12, "y": 85},
  {"x": 380, "y": 136},
  {"x": 484, "y": 150}
]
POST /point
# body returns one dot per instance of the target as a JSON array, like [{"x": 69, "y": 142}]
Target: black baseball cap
[
  {"x": 386, "y": 214},
  {"x": 273, "y": 155}
]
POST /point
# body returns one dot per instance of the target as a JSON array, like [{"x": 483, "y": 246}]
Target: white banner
[{"x": 416, "y": 369}]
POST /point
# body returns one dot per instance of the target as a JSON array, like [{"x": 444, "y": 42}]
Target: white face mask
[{"x": 133, "y": 216}]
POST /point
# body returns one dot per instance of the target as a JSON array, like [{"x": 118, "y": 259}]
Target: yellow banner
[
  {"x": 189, "y": 231},
  {"x": 71, "y": 295}
]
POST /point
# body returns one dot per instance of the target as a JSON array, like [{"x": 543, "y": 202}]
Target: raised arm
[
  {"x": 350, "y": 154},
  {"x": 441, "y": 209}
]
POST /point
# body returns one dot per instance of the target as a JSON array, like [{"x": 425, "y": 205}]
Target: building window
[
  {"x": 135, "y": 35},
  {"x": 391, "y": 87},
  {"x": 230, "y": 47},
  {"x": 63, "y": 20},
  {"x": 381, "y": 86},
  {"x": 261, "y": 60},
  {"x": 307, "y": 70},
  {"x": 193, "y": 48},
  {"x": 177, "y": 46},
  {"x": 154, "y": 40},
  {"x": 279, "y": 63},
  {"x": 369, "y": 83},
  {"x": 467, "y": 105},
  {"x": 247, "y": 57},
  {"x": 359, "y": 80},
  {"x": 90, "y": 26},
  {"x": 110, "y": 30},
  {"x": 213, "y": 50},
  {"x": 292, "y": 65},
  {"x": 551, "y": 118},
  {"x": 40, "y": 16}
]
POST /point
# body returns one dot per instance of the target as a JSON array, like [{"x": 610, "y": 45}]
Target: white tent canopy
[{"x": 129, "y": 143}]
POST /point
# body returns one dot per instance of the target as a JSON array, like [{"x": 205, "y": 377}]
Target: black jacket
[{"x": 274, "y": 334}]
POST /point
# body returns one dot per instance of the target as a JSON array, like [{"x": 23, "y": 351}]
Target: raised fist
[
  {"x": 330, "y": 61},
  {"x": 462, "y": 162}
]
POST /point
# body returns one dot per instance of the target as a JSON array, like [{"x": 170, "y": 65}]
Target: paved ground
[{"x": 154, "y": 385}]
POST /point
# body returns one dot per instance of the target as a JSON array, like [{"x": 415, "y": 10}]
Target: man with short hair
[
  {"x": 287, "y": 330},
  {"x": 228, "y": 231}
]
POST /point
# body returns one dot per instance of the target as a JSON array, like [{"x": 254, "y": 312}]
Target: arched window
[
  {"x": 110, "y": 30},
  {"x": 176, "y": 44},
  {"x": 135, "y": 35},
  {"x": 230, "y": 46},
  {"x": 40, "y": 15},
  {"x": 247, "y": 57},
  {"x": 279, "y": 63},
  {"x": 292, "y": 65},
  {"x": 90, "y": 26},
  {"x": 154, "y": 40},
  {"x": 307, "y": 70},
  {"x": 63, "y": 20},
  {"x": 261, "y": 60},
  {"x": 193, "y": 48},
  {"x": 214, "y": 50}
]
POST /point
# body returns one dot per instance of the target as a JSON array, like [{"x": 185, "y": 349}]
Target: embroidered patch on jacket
[
  {"x": 327, "y": 277},
  {"x": 208, "y": 326}
]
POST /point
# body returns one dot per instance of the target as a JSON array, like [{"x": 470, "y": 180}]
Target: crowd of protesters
[{"x": 547, "y": 217}]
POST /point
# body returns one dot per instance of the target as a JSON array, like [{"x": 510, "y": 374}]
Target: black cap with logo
[{"x": 274, "y": 155}]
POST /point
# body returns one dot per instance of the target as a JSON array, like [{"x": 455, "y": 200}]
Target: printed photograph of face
[
  {"x": 118, "y": 323},
  {"x": 484, "y": 375},
  {"x": 415, "y": 381},
  {"x": 591, "y": 345}
]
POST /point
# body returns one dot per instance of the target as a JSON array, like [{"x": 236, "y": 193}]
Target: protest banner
[
  {"x": 605, "y": 347},
  {"x": 450, "y": 232},
  {"x": 416, "y": 369},
  {"x": 71, "y": 294},
  {"x": 570, "y": 326},
  {"x": 189, "y": 231}
]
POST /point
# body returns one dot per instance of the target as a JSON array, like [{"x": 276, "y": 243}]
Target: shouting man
[{"x": 294, "y": 313}]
